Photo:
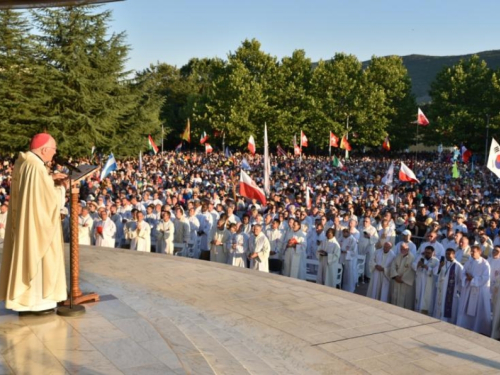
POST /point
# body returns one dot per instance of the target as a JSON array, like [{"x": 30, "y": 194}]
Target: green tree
[
  {"x": 463, "y": 96},
  {"x": 89, "y": 97},
  {"x": 390, "y": 75},
  {"x": 238, "y": 102},
  {"x": 19, "y": 93}
]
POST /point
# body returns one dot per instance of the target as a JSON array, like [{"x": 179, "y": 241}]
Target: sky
[{"x": 173, "y": 31}]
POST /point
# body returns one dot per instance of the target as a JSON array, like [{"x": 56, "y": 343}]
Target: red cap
[{"x": 39, "y": 140}]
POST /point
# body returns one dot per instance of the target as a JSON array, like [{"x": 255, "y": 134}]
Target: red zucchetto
[{"x": 39, "y": 140}]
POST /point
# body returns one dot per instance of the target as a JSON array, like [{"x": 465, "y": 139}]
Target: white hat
[{"x": 406, "y": 232}]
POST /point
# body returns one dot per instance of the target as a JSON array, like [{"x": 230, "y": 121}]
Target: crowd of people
[{"x": 431, "y": 246}]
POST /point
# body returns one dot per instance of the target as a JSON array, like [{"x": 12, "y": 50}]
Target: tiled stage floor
[{"x": 171, "y": 315}]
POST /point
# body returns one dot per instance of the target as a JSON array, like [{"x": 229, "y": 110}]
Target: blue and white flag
[
  {"x": 109, "y": 167},
  {"x": 245, "y": 165}
]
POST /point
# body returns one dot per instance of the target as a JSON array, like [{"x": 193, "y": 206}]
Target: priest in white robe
[
  {"x": 218, "y": 239},
  {"x": 380, "y": 265},
  {"x": 104, "y": 230},
  {"x": 495, "y": 275},
  {"x": 349, "y": 260},
  {"x": 235, "y": 246},
  {"x": 426, "y": 267},
  {"x": 448, "y": 288},
  {"x": 403, "y": 278},
  {"x": 366, "y": 245},
  {"x": 85, "y": 226},
  {"x": 328, "y": 254},
  {"x": 140, "y": 238},
  {"x": 275, "y": 237},
  {"x": 33, "y": 277},
  {"x": 474, "y": 307},
  {"x": 165, "y": 232},
  {"x": 259, "y": 249},
  {"x": 295, "y": 252}
]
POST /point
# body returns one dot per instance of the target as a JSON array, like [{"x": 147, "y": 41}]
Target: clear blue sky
[{"x": 173, "y": 31}]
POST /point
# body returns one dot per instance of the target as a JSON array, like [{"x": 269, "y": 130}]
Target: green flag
[
  {"x": 337, "y": 163},
  {"x": 455, "y": 173}
]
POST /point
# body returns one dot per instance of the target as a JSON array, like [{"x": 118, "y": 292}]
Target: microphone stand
[{"x": 72, "y": 307}]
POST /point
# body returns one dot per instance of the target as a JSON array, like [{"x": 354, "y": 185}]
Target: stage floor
[{"x": 170, "y": 315}]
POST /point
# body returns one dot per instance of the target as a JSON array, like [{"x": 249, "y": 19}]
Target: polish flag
[
  {"x": 421, "y": 119},
  {"x": 208, "y": 148},
  {"x": 251, "y": 145},
  {"x": 303, "y": 139},
  {"x": 466, "y": 154},
  {"x": 386, "y": 145},
  {"x": 406, "y": 174},
  {"x": 334, "y": 140},
  {"x": 249, "y": 189},
  {"x": 204, "y": 138}
]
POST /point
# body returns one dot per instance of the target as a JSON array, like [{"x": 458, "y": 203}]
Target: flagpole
[
  {"x": 162, "y": 138},
  {"x": 486, "y": 147},
  {"x": 416, "y": 148},
  {"x": 347, "y": 137},
  {"x": 330, "y": 145}
]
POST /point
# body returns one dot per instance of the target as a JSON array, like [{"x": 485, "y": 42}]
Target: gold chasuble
[{"x": 32, "y": 276}]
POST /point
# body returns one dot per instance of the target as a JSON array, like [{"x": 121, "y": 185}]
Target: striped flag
[
  {"x": 109, "y": 167},
  {"x": 280, "y": 151},
  {"x": 178, "y": 148},
  {"x": 152, "y": 145},
  {"x": 203, "y": 138}
]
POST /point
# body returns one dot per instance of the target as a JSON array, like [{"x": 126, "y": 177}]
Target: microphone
[{"x": 61, "y": 161}]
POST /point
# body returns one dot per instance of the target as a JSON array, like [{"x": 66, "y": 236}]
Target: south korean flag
[{"x": 494, "y": 158}]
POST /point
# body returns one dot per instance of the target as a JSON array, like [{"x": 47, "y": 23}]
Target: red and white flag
[
  {"x": 466, "y": 154},
  {"x": 251, "y": 145},
  {"x": 250, "y": 190},
  {"x": 203, "y": 138},
  {"x": 406, "y": 174},
  {"x": 421, "y": 119},
  {"x": 334, "y": 140},
  {"x": 280, "y": 151},
  {"x": 303, "y": 139},
  {"x": 152, "y": 145},
  {"x": 386, "y": 145},
  {"x": 296, "y": 147},
  {"x": 208, "y": 148}
]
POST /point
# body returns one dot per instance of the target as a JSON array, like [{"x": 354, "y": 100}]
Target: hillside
[{"x": 423, "y": 69}]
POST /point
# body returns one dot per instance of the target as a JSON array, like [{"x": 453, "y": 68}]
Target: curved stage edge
[{"x": 170, "y": 315}]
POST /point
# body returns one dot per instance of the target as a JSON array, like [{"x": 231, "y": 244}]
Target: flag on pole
[
  {"x": 421, "y": 119},
  {"x": 178, "y": 148},
  {"x": 204, "y": 137},
  {"x": 334, "y": 140},
  {"x": 186, "y": 135},
  {"x": 388, "y": 179},
  {"x": 344, "y": 144},
  {"x": 250, "y": 190},
  {"x": 308, "y": 197},
  {"x": 245, "y": 164},
  {"x": 337, "y": 163},
  {"x": 494, "y": 158},
  {"x": 140, "y": 161},
  {"x": 386, "y": 145},
  {"x": 466, "y": 154},
  {"x": 251, "y": 145},
  {"x": 296, "y": 148},
  {"x": 455, "y": 173},
  {"x": 208, "y": 148},
  {"x": 152, "y": 146},
  {"x": 267, "y": 164},
  {"x": 303, "y": 139},
  {"x": 109, "y": 167},
  {"x": 280, "y": 151},
  {"x": 406, "y": 174}
]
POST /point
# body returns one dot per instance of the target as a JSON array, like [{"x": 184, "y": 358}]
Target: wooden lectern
[{"x": 76, "y": 297}]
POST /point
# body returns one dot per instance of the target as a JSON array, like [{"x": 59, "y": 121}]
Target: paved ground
[{"x": 166, "y": 315}]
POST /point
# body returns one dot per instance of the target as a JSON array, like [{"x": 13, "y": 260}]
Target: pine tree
[
  {"x": 18, "y": 86},
  {"x": 89, "y": 96}
]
